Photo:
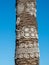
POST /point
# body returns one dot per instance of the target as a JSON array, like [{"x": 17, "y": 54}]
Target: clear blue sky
[{"x": 7, "y": 31}]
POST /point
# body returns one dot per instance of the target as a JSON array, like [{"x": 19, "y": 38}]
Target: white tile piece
[
  {"x": 18, "y": 20},
  {"x": 26, "y": 34},
  {"x": 30, "y": 45},
  {"x": 37, "y": 36},
  {"x": 18, "y": 36},
  {"x": 37, "y": 55},
  {"x": 20, "y": 55},
  {"x": 32, "y": 34},
  {"x": 21, "y": 45},
  {"x": 32, "y": 29},
  {"x": 26, "y": 29},
  {"x": 32, "y": 55},
  {"x": 20, "y": 8},
  {"x": 26, "y": 55}
]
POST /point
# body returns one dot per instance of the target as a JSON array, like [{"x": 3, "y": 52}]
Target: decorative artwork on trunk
[{"x": 27, "y": 46}]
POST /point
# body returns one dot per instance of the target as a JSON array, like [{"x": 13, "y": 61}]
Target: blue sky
[{"x": 7, "y": 31}]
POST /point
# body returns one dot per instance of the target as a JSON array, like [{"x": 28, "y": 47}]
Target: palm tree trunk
[{"x": 27, "y": 47}]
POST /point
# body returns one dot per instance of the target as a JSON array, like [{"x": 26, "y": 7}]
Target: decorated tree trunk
[{"x": 27, "y": 47}]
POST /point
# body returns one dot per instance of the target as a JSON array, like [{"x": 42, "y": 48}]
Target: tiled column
[{"x": 27, "y": 47}]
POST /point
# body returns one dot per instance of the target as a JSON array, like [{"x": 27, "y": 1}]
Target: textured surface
[{"x": 27, "y": 51}]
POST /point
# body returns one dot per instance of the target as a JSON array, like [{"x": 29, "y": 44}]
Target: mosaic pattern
[
  {"x": 27, "y": 50},
  {"x": 31, "y": 8},
  {"x": 27, "y": 32},
  {"x": 27, "y": 47}
]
